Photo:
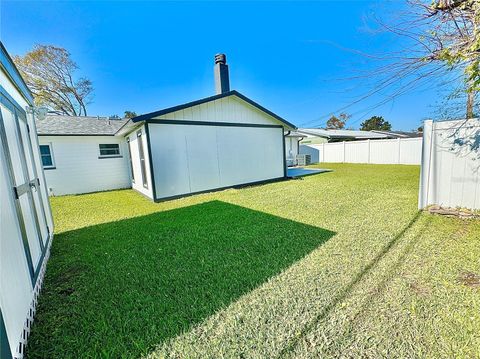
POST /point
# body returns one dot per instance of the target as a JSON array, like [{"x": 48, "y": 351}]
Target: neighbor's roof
[
  {"x": 165, "y": 111},
  {"x": 295, "y": 134},
  {"x": 61, "y": 125},
  {"x": 401, "y": 134},
  {"x": 343, "y": 134}
]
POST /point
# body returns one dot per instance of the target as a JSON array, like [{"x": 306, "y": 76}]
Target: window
[
  {"x": 142, "y": 158},
  {"x": 110, "y": 150},
  {"x": 130, "y": 159},
  {"x": 47, "y": 157}
]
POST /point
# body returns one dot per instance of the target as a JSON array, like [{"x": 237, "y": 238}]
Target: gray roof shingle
[{"x": 79, "y": 125}]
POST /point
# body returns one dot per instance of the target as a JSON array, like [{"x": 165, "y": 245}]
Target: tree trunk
[{"x": 470, "y": 104}]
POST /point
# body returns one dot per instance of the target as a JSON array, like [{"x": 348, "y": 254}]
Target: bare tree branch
[{"x": 49, "y": 73}]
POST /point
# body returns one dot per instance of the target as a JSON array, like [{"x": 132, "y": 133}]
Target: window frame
[
  {"x": 141, "y": 156},
  {"x": 50, "y": 149},
  {"x": 116, "y": 155},
  {"x": 130, "y": 161}
]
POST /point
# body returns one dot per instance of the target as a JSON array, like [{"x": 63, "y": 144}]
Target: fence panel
[
  {"x": 333, "y": 152},
  {"x": 411, "y": 151},
  {"x": 407, "y": 151},
  {"x": 357, "y": 151},
  {"x": 450, "y": 175}
]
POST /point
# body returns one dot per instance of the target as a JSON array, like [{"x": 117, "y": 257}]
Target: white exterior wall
[
  {"x": 15, "y": 282},
  {"x": 291, "y": 150},
  {"x": 78, "y": 168},
  {"x": 407, "y": 151},
  {"x": 137, "y": 182},
  {"x": 450, "y": 175},
  {"x": 18, "y": 288},
  {"x": 189, "y": 159},
  {"x": 226, "y": 109}
]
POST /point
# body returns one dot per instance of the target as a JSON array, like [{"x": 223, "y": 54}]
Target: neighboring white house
[
  {"x": 450, "y": 175},
  {"x": 82, "y": 154},
  {"x": 217, "y": 142},
  {"x": 26, "y": 225},
  {"x": 292, "y": 146}
]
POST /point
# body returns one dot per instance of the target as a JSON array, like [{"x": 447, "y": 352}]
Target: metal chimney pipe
[{"x": 220, "y": 70}]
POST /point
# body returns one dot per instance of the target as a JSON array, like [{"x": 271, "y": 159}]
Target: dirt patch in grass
[
  {"x": 469, "y": 279},
  {"x": 419, "y": 289}
]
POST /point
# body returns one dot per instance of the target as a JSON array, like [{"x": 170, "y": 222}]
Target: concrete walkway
[{"x": 301, "y": 172}]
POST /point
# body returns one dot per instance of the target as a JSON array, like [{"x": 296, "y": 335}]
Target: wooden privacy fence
[
  {"x": 450, "y": 175},
  {"x": 406, "y": 151}
]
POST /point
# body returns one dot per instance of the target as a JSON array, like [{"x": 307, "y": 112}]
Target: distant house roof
[
  {"x": 295, "y": 134},
  {"x": 165, "y": 111},
  {"x": 343, "y": 134},
  {"x": 400, "y": 134},
  {"x": 61, "y": 125}
]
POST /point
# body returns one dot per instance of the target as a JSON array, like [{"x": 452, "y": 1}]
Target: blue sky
[{"x": 288, "y": 56}]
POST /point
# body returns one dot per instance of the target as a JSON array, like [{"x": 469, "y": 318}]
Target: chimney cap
[{"x": 220, "y": 59}]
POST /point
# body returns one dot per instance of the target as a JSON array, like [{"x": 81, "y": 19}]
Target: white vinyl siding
[
  {"x": 234, "y": 143},
  {"x": 189, "y": 159},
  {"x": 226, "y": 109},
  {"x": 291, "y": 150},
  {"x": 79, "y": 167}
]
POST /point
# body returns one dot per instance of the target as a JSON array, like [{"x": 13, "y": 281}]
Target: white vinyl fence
[
  {"x": 406, "y": 151},
  {"x": 450, "y": 175}
]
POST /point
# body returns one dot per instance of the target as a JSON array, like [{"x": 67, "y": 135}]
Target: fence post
[{"x": 343, "y": 151}]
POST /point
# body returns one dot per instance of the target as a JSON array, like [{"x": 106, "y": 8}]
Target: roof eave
[
  {"x": 151, "y": 115},
  {"x": 12, "y": 72}
]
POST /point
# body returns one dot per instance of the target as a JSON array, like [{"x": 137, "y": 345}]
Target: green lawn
[{"x": 338, "y": 264}]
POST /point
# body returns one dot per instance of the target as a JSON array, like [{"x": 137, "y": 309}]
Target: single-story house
[
  {"x": 83, "y": 154},
  {"x": 213, "y": 143},
  {"x": 216, "y": 142},
  {"x": 26, "y": 229}
]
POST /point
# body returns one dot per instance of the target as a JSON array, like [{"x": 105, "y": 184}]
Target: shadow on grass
[
  {"x": 121, "y": 288},
  {"x": 350, "y": 287}
]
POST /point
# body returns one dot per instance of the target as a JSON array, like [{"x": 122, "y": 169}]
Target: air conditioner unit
[{"x": 303, "y": 160}]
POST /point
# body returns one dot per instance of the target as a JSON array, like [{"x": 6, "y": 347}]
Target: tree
[
  {"x": 376, "y": 123},
  {"x": 130, "y": 114},
  {"x": 442, "y": 38},
  {"x": 337, "y": 123},
  {"x": 49, "y": 73}
]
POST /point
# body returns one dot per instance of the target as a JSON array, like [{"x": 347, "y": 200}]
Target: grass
[{"x": 339, "y": 264}]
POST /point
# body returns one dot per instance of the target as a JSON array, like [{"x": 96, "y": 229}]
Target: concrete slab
[{"x": 294, "y": 172}]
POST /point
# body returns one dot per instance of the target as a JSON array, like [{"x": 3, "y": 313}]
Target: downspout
[
  {"x": 285, "y": 154},
  {"x": 298, "y": 144}
]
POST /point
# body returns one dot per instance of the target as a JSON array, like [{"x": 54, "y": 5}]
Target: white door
[{"x": 18, "y": 149}]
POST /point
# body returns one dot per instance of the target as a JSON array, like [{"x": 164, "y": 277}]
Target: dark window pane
[
  {"x": 47, "y": 161},
  {"x": 142, "y": 159},
  {"x": 45, "y": 149},
  {"x": 109, "y": 145},
  {"x": 109, "y": 149}
]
